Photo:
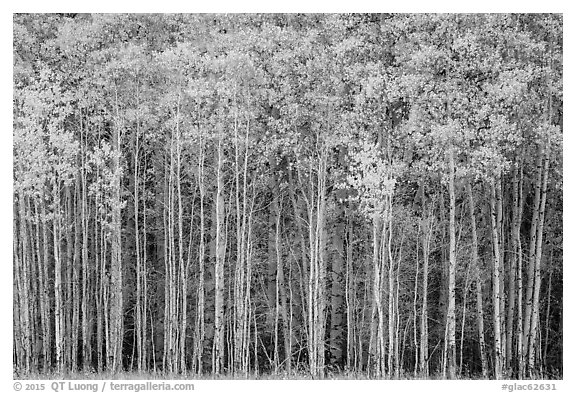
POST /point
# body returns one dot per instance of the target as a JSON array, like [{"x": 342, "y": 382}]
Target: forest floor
[
  {"x": 282, "y": 375},
  {"x": 260, "y": 376}
]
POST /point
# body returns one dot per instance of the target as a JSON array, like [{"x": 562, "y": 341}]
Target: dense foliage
[{"x": 244, "y": 194}]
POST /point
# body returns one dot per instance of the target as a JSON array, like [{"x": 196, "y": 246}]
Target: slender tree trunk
[
  {"x": 464, "y": 309},
  {"x": 239, "y": 285},
  {"x": 496, "y": 293},
  {"x": 23, "y": 280},
  {"x": 386, "y": 255},
  {"x": 451, "y": 316},
  {"x": 320, "y": 284},
  {"x": 376, "y": 345},
  {"x": 535, "y": 315},
  {"x": 247, "y": 297},
  {"x": 281, "y": 292},
  {"x": 76, "y": 278},
  {"x": 478, "y": 279},
  {"x": 272, "y": 289},
  {"x": 527, "y": 340},
  {"x": 169, "y": 273},
  {"x": 512, "y": 279},
  {"x": 100, "y": 284},
  {"x": 218, "y": 346},
  {"x": 144, "y": 280},
  {"x": 349, "y": 296},
  {"x": 317, "y": 277},
  {"x": 519, "y": 275},
  {"x": 304, "y": 266},
  {"x": 45, "y": 306},
  {"x": 427, "y": 233},
  {"x": 546, "y": 339},
  {"x": 337, "y": 294},
  {"x": 397, "y": 357},
  {"x": 181, "y": 262},
  {"x": 22, "y": 356},
  {"x": 35, "y": 288},
  {"x": 502, "y": 273},
  {"x": 58, "y": 301},
  {"x": 19, "y": 356},
  {"x": 68, "y": 222},
  {"x": 199, "y": 328},
  {"x": 116, "y": 285},
  {"x": 86, "y": 276},
  {"x": 138, "y": 311}
]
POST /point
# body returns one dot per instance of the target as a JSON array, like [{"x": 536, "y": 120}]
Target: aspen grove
[{"x": 289, "y": 195}]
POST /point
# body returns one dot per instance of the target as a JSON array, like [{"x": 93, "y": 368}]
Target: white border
[{"x": 6, "y": 382}]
